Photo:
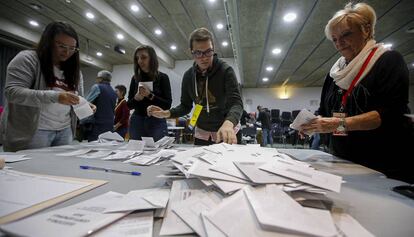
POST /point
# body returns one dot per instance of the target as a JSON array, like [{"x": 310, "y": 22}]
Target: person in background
[
  {"x": 121, "y": 112},
  {"x": 103, "y": 96},
  {"x": 264, "y": 119},
  {"x": 140, "y": 96},
  {"x": 365, "y": 97},
  {"x": 41, "y": 85},
  {"x": 212, "y": 86}
]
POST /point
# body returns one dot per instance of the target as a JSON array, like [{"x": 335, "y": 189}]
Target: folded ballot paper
[
  {"x": 110, "y": 136},
  {"x": 304, "y": 116}
]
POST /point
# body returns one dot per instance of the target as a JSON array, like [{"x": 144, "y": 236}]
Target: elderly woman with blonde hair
[{"x": 365, "y": 97}]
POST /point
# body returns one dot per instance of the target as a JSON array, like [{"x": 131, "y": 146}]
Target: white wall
[
  {"x": 122, "y": 74},
  {"x": 299, "y": 98}
]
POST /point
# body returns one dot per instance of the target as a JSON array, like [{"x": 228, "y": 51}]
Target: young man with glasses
[{"x": 212, "y": 86}]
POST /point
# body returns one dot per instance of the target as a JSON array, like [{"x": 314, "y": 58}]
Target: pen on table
[{"x": 87, "y": 167}]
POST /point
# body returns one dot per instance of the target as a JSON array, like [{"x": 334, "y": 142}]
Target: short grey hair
[
  {"x": 105, "y": 75},
  {"x": 360, "y": 14}
]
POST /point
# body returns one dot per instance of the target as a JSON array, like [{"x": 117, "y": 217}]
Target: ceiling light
[
  {"x": 265, "y": 79},
  {"x": 219, "y": 26},
  {"x": 289, "y": 17},
  {"x": 212, "y": 0},
  {"x": 157, "y": 31},
  {"x": 269, "y": 68},
  {"x": 35, "y": 6},
  {"x": 173, "y": 47},
  {"x": 68, "y": 1},
  {"x": 119, "y": 49},
  {"x": 99, "y": 54},
  {"x": 90, "y": 15},
  {"x": 107, "y": 46},
  {"x": 33, "y": 23},
  {"x": 224, "y": 43},
  {"x": 387, "y": 46},
  {"x": 276, "y": 51},
  {"x": 120, "y": 36},
  {"x": 134, "y": 8}
]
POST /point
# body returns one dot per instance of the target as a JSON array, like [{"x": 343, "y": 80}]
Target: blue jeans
[
  {"x": 267, "y": 137},
  {"x": 47, "y": 138},
  {"x": 141, "y": 126}
]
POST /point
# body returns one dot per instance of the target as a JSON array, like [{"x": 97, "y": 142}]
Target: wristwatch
[
  {"x": 341, "y": 127},
  {"x": 151, "y": 96}
]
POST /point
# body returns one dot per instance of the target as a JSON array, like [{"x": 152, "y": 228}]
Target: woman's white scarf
[{"x": 343, "y": 74}]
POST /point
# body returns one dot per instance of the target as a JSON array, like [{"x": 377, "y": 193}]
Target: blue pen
[{"x": 87, "y": 167}]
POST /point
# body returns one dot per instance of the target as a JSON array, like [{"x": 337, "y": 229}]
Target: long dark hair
[
  {"x": 153, "y": 63},
  {"x": 45, "y": 49}
]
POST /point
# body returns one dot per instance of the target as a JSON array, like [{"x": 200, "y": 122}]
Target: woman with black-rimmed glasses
[{"x": 41, "y": 86}]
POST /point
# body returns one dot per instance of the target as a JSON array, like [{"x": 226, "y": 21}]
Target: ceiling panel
[{"x": 257, "y": 28}]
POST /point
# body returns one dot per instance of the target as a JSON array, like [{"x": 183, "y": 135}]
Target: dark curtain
[{"x": 7, "y": 53}]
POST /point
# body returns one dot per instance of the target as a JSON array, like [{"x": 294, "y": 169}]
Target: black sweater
[
  {"x": 161, "y": 91},
  {"x": 223, "y": 93},
  {"x": 385, "y": 90}
]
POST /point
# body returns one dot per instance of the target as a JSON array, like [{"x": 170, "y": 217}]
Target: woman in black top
[
  {"x": 365, "y": 97},
  {"x": 141, "y": 95}
]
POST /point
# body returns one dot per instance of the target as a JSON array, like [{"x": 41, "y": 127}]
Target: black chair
[
  {"x": 286, "y": 119},
  {"x": 295, "y": 113},
  {"x": 275, "y": 115}
]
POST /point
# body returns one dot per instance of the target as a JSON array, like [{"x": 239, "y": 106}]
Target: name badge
[
  {"x": 340, "y": 130},
  {"x": 194, "y": 118}
]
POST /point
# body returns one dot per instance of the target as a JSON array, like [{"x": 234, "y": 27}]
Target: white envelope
[
  {"x": 82, "y": 110},
  {"x": 147, "y": 84}
]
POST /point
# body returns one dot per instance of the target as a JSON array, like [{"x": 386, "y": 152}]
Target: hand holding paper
[
  {"x": 302, "y": 118},
  {"x": 83, "y": 109}
]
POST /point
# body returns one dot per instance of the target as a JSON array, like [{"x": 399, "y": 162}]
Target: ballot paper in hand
[
  {"x": 303, "y": 117},
  {"x": 147, "y": 84},
  {"x": 82, "y": 110}
]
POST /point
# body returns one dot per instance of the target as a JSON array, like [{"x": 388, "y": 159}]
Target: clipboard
[{"x": 94, "y": 183}]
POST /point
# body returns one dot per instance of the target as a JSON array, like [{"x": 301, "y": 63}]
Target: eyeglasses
[
  {"x": 200, "y": 54},
  {"x": 70, "y": 49}
]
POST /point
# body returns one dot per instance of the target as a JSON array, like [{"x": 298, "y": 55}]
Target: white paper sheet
[
  {"x": 147, "y": 84},
  {"x": 149, "y": 142},
  {"x": 180, "y": 191},
  {"x": 275, "y": 210},
  {"x": 350, "y": 227},
  {"x": 10, "y": 157},
  {"x": 234, "y": 217},
  {"x": 138, "y": 224},
  {"x": 228, "y": 187},
  {"x": 80, "y": 219},
  {"x": 95, "y": 155},
  {"x": 21, "y": 190},
  {"x": 110, "y": 136},
  {"x": 258, "y": 176},
  {"x": 82, "y": 110},
  {"x": 75, "y": 153},
  {"x": 121, "y": 155},
  {"x": 210, "y": 228},
  {"x": 303, "y": 117},
  {"x": 135, "y": 145},
  {"x": 190, "y": 210},
  {"x": 141, "y": 200},
  {"x": 306, "y": 175}
]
